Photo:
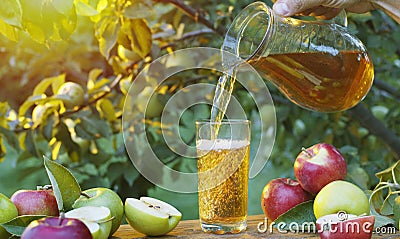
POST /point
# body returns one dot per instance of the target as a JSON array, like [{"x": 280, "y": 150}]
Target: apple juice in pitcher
[
  {"x": 319, "y": 81},
  {"x": 318, "y": 65}
]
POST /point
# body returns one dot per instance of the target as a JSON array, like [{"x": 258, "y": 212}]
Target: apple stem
[
  {"x": 85, "y": 195},
  {"x": 61, "y": 218},
  {"x": 45, "y": 187},
  {"x": 306, "y": 152}
]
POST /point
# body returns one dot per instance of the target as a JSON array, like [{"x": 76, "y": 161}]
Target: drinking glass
[{"x": 223, "y": 150}]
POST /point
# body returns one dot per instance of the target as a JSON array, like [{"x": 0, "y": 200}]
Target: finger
[
  {"x": 327, "y": 13},
  {"x": 319, "y": 11},
  {"x": 291, "y": 7},
  {"x": 309, "y": 12},
  {"x": 323, "y": 12}
]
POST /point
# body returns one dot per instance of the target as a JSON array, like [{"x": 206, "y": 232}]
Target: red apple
[
  {"x": 338, "y": 226},
  {"x": 319, "y": 165},
  {"x": 35, "y": 202},
  {"x": 56, "y": 228},
  {"x": 280, "y": 195}
]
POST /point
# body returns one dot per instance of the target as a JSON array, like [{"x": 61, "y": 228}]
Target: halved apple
[
  {"x": 92, "y": 216},
  {"x": 151, "y": 216},
  {"x": 94, "y": 228}
]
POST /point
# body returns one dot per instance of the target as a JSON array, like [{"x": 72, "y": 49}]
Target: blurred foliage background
[{"x": 103, "y": 44}]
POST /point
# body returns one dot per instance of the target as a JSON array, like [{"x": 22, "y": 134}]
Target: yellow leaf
[
  {"x": 9, "y": 31},
  {"x": 139, "y": 35},
  {"x": 106, "y": 109}
]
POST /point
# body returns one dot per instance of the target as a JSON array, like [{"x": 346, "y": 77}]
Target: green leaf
[
  {"x": 187, "y": 134},
  {"x": 380, "y": 220},
  {"x": 62, "y": 25},
  {"x": 65, "y": 186},
  {"x": 11, "y": 138},
  {"x": 36, "y": 32},
  {"x": 84, "y": 9},
  {"x": 3, "y": 150},
  {"x": 376, "y": 201},
  {"x": 66, "y": 24},
  {"x": 93, "y": 126},
  {"x": 130, "y": 174},
  {"x": 93, "y": 76},
  {"x": 63, "y": 6},
  {"x": 139, "y": 35},
  {"x": 302, "y": 215},
  {"x": 396, "y": 211},
  {"x": 11, "y": 12},
  {"x": 358, "y": 175},
  {"x": 106, "y": 109},
  {"x": 82, "y": 133},
  {"x": 9, "y": 31},
  {"x": 4, "y": 109},
  {"x": 33, "y": 12},
  {"x": 106, "y": 33},
  {"x": 138, "y": 9},
  {"x": 30, "y": 143},
  {"x": 387, "y": 206},
  {"x": 387, "y": 174},
  {"x": 63, "y": 134},
  {"x": 17, "y": 225},
  {"x": 49, "y": 126},
  {"x": 55, "y": 82},
  {"x": 28, "y": 103},
  {"x": 376, "y": 198}
]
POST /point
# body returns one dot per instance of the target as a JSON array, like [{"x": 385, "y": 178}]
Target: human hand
[{"x": 323, "y": 9}]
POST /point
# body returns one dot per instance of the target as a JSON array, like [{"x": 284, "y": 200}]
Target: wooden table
[{"x": 191, "y": 229}]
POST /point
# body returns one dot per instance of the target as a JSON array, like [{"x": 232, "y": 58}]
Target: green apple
[
  {"x": 340, "y": 196},
  {"x": 148, "y": 102},
  {"x": 71, "y": 94},
  {"x": 151, "y": 216},
  {"x": 267, "y": 114},
  {"x": 379, "y": 111},
  {"x": 8, "y": 211},
  {"x": 97, "y": 219},
  {"x": 103, "y": 197}
]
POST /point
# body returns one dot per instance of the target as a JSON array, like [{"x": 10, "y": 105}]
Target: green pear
[
  {"x": 103, "y": 197},
  {"x": 151, "y": 216},
  {"x": 97, "y": 219},
  {"x": 8, "y": 211}
]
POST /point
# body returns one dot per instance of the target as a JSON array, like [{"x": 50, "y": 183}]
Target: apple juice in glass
[{"x": 223, "y": 167}]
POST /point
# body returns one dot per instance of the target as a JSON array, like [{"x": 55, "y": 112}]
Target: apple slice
[
  {"x": 345, "y": 226},
  {"x": 151, "y": 216},
  {"x": 92, "y": 216}
]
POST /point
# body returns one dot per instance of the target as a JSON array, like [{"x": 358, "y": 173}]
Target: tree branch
[
  {"x": 104, "y": 94},
  {"x": 195, "y": 14},
  {"x": 187, "y": 36},
  {"x": 382, "y": 85},
  {"x": 361, "y": 114}
]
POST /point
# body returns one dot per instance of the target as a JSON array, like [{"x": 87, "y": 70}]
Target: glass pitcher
[{"x": 318, "y": 65}]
